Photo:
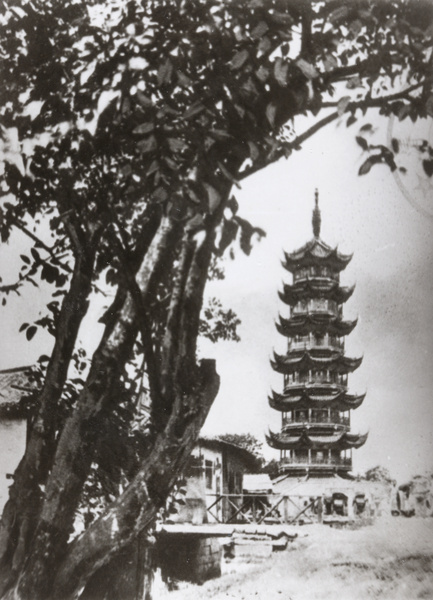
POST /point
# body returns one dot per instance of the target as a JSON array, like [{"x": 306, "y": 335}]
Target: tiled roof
[{"x": 14, "y": 384}]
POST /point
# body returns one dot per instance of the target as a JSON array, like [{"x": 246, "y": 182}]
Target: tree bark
[
  {"x": 78, "y": 439},
  {"x": 21, "y": 510},
  {"x": 132, "y": 512}
]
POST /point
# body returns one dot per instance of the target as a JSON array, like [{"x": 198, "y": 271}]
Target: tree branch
[{"x": 352, "y": 106}]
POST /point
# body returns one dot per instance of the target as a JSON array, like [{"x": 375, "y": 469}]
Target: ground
[{"x": 390, "y": 560}]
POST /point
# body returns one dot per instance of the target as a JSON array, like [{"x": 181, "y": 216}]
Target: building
[
  {"x": 315, "y": 405},
  {"x": 214, "y": 481},
  {"x": 15, "y": 387}
]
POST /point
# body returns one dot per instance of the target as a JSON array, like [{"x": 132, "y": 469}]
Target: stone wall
[{"x": 188, "y": 557}]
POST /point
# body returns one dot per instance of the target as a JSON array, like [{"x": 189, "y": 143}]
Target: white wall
[{"x": 12, "y": 443}]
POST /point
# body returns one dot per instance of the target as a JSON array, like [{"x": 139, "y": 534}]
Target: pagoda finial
[{"x": 316, "y": 215}]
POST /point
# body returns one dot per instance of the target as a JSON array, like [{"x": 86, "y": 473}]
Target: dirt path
[{"x": 390, "y": 560}]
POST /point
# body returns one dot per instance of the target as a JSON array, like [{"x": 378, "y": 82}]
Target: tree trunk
[
  {"x": 138, "y": 506},
  {"x": 78, "y": 439},
  {"x": 194, "y": 390},
  {"x": 21, "y": 510}
]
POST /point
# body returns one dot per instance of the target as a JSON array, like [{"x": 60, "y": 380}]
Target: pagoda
[{"x": 315, "y": 405}]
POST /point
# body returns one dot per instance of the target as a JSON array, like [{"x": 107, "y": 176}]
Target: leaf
[
  {"x": 262, "y": 73},
  {"x": 233, "y": 204},
  {"x": 31, "y": 332},
  {"x": 214, "y": 198},
  {"x": 254, "y": 151},
  {"x": 362, "y": 142},
  {"x": 193, "y": 110},
  {"x": 343, "y": 104},
  {"x": 395, "y": 145},
  {"x": 229, "y": 176},
  {"x": 351, "y": 120},
  {"x": 259, "y": 30},
  {"x": 228, "y": 234},
  {"x": 143, "y": 128},
  {"x": 176, "y": 145},
  {"x": 429, "y": 105},
  {"x": 271, "y": 111},
  {"x": 330, "y": 62},
  {"x": 143, "y": 100},
  {"x": 428, "y": 167},
  {"x": 280, "y": 71},
  {"x": 23, "y": 326},
  {"x": 354, "y": 82},
  {"x": 147, "y": 145},
  {"x": 35, "y": 254},
  {"x": 366, "y": 166},
  {"x": 25, "y": 259},
  {"x": 164, "y": 72},
  {"x": 338, "y": 14},
  {"x": 307, "y": 68},
  {"x": 49, "y": 273},
  {"x": 238, "y": 60},
  {"x": 367, "y": 127}
]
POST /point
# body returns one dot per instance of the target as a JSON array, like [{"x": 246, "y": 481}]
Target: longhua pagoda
[{"x": 315, "y": 404}]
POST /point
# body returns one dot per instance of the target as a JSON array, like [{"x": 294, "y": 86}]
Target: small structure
[
  {"x": 415, "y": 498},
  {"x": 15, "y": 387},
  {"x": 214, "y": 482}
]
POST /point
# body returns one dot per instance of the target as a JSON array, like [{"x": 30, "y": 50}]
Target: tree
[
  {"x": 125, "y": 127},
  {"x": 380, "y": 474}
]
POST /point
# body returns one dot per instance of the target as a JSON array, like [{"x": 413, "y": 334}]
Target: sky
[{"x": 386, "y": 221}]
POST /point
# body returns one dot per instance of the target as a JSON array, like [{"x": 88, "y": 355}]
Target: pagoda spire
[{"x": 316, "y": 215}]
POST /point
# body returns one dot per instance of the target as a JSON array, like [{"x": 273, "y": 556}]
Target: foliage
[
  {"x": 379, "y": 474},
  {"x": 125, "y": 125}
]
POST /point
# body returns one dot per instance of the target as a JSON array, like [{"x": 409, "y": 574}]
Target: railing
[
  {"x": 326, "y": 419},
  {"x": 316, "y": 306},
  {"x": 260, "y": 508},
  {"x": 313, "y": 462},
  {"x": 316, "y": 381},
  {"x": 308, "y": 342},
  {"x": 302, "y": 275}
]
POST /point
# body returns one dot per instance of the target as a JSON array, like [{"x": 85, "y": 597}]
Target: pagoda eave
[
  {"x": 339, "y": 400},
  {"x": 320, "y": 324},
  {"x": 316, "y": 252},
  {"x": 336, "y": 363},
  {"x": 315, "y": 288},
  {"x": 336, "y": 441}
]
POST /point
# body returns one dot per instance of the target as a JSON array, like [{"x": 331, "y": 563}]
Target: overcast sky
[
  {"x": 388, "y": 226},
  {"x": 387, "y": 222}
]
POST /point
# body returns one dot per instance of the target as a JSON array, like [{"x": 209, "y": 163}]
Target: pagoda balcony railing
[
  {"x": 318, "y": 382},
  {"x": 314, "y": 462},
  {"x": 309, "y": 310},
  {"x": 304, "y": 274},
  {"x": 331, "y": 343},
  {"x": 324, "y": 420}
]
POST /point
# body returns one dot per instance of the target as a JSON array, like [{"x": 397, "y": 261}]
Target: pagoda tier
[
  {"x": 335, "y": 362},
  {"x": 305, "y": 398},
  {"x": 315, "y": 404},
  {"x": 317, "y": 323},
  {"x": 312, "y": 253},
  {"x": 311, "y": 288},
  {"x": 342, "y": 440}
]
